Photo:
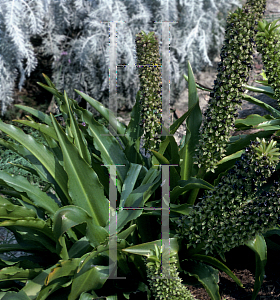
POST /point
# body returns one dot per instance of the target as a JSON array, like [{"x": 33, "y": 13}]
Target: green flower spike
[
  {"x": 163, "y": 287},
  {"x": 233, "y": 72},
  {"x": 218, "y": 220},
  {"x": 268, "y": 45},
  {"x": 148, "y": 59}
]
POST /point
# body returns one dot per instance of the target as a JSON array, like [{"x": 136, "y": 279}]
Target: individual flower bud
[
  {"x": 148, "y": 60},
  {"x": 268, "y": 44},
  {"x": 162, "y": 286},
  {"x": 233, "y": 70}
]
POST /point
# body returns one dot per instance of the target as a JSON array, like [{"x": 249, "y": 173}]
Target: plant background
[{"x": 32, "y": 95}]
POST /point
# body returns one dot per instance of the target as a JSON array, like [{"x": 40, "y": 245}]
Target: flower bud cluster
[
  {"x": 233, "y": 72},
  {"x": 231, "y": 213},
  {"x": 268, "y": 45},
  {"x": 162, "y": 286},
  {"x": 148, "y": 60}
]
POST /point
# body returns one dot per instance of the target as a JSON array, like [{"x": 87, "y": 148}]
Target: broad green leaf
[
  {"x": 110, "y": 149},
  {"x": 15, "y": 296},
  {"x": 37, "y": 113},
  {"x": 90, "y": 277},
  {"x": 267, "y": 90},
  {"x": 48, "y": 130},
  {"x": 16, "y": 273},
  {"x": 79, "y": 139},
  {"x": 186, "y": 185},
  {"x": 230, "y": 157},
  {"x": 275, "y": 113},
  {"x": 216, "y": 263},
  {"x": 37, "y": 224},
  {"x": 193, "y": 123},
  {"x": 137, "y": 199},
  {"x": 14, "y": 212},
  {"x": 118, "y": 126},
  {"x": 83, "y": 184},
  {"x": 22, "y": 185},
  {"x": 130, "y": 181},
  {"x": 70, "y": 216},
  {"x": 206, "y": 275},
  {"x": 34, "y": 286},
  {"x": 174, "y": 177},
  {"x": 147, "y": 248},
  {"x": 55, "y": 285},
  {"x": 258, "y": 245},
  {"x": 251, "y": 120},
  {"x": 41, "y": 153},
  {"x": 133, "y": 130},
  {"x": 87, "y": 296},
  {"x": 62, "y": 268}
]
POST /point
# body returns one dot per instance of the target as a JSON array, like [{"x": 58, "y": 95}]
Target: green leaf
[
  {"x": 16, "y": 273},
  {"x": 21, "y": 295},
  {"x": 110, "y": 149},
  {"x": 275, "y": 113},
  {"x": 63, "y": 268},
  {"x": 193, "y": 124},
  {"x": 258, "y": 245},
  {"x": 41, "y": 153},
  {"x": 55, "y": 285},
  {"x": 34, "y": 286},
  {"x": 14, "y": 212},
  {"x": 251, "y": 120},
  {"x": 147, "y": 248},
  {"x": 133, "y": 130},
  {"x": 230, "y": 157},
  {"x": 130, "y": 181},
  {"x": 70, "y": 216},
  {"x": 83, "y": 184},
  {"x": 79, "y": 139},
  {"x": 90, "y": 277},
  {"x": 206, "y": 275},
  {"x": 22, "y": 185},
  {"x": 137, "y": 199},
  {"x": 37, "y": 113},
  {"x": 216, "y": 263},
  {"x": 48, "y": 130},
  {"x": 186, "y": 185},
  {"x": 118, "y": 126},
  {"x": 87, "y": 296}
]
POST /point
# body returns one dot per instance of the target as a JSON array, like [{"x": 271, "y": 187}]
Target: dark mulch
[{"x": 241, "y": 261}]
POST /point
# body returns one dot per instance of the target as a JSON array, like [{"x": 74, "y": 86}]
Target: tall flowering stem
[
  {"x": 268, "y": 44},
  {"x": 233, "y": 212},
  {"x": 148, "y": 60},
  {"x": 233, "y": 72}
]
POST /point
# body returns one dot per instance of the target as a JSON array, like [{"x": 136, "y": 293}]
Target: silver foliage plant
[{"x": 73, "y": 33}]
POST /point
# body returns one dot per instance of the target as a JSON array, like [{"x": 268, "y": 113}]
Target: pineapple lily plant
[{"x": 67, "y": 221}]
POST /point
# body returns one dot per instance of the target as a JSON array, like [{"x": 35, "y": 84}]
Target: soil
[{"x": 240, "y": 260}]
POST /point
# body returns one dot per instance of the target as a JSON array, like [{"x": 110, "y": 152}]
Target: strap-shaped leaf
[
  {"x": 45, "y": 157},
  {"x": 70, "y": 216},
  {"x": 79, "y": 139},
  {"x": 258, "y": 245},
  {"x": 110, "y": 149},
  {"x": 83, "y": 184},
  {"x": 41, "y": 127},
  {"x": 37, "y": 113},
  {"x": 22, "y": 185}
]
